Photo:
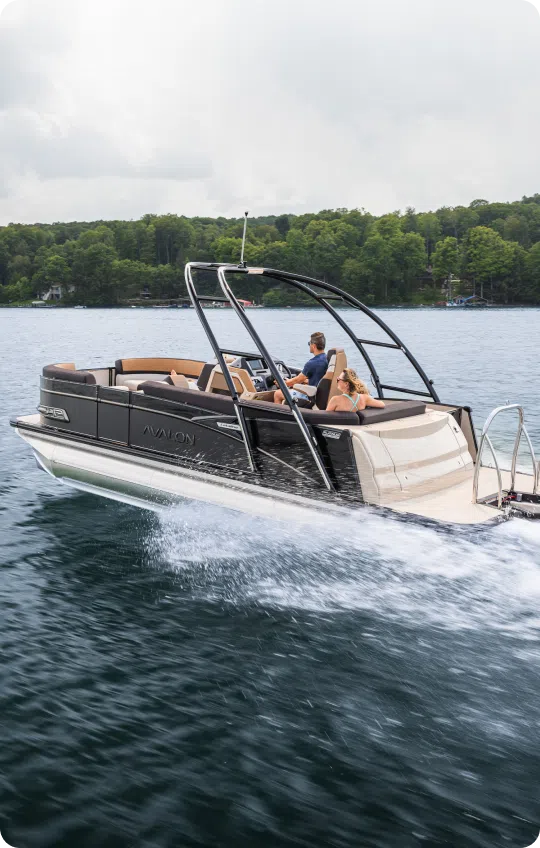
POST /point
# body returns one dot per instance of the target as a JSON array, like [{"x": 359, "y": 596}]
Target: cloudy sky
[{"x": 115, "y": 108}]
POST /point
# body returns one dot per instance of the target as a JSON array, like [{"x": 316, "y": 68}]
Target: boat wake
[{"x": 403, "y": 571}]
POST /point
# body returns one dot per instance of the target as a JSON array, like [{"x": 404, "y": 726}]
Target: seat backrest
[
  {"x": 178, "y": 380},
  {"x": 205, "y": 375},
  {"x": 67, "y": 371},
  {"x": 217, "y": 383},
  {"x": 327, "y": 387},
  {"x": 159, "y": 365}
]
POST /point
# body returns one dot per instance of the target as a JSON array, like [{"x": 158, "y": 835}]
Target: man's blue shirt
[{"x": 316, "y": 368}]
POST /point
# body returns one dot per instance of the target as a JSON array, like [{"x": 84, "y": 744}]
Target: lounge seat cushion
[
  {"x": 68, "y": 373},
  {"x": 224, "y": 405},
  {"x": 312, "y": 416},
  {"x": 393, "y": 410},
  {"x": 204, "y": 400}
]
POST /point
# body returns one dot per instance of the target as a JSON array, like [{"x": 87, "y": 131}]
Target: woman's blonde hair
[{"x": 354, "y": 382}]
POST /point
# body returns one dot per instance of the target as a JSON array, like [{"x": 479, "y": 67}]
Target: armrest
[{"x": 306, "y": 389}]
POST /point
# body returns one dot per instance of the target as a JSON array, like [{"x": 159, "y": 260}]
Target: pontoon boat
[{"x": 125, "y": 431}]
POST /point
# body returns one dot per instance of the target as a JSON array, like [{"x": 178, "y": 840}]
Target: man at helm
[{"x": 312, "y": 372}]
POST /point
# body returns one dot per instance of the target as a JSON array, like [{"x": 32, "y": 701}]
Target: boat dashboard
[{"x": 259, "y": 370}]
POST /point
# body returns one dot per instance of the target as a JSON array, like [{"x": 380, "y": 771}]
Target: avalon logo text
[{"x": 162, "y": 433}]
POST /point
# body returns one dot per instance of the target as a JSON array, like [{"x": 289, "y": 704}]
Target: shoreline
[{"x": 284, "y": 306}]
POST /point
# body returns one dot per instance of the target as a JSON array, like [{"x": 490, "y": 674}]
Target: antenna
[{"x": 244, "y": 239}]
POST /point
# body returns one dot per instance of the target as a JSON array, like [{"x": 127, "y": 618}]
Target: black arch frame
[{"x": 326, "y": 293}]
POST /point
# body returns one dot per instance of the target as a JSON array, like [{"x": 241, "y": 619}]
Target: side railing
[{"x": 484, "y": 439}]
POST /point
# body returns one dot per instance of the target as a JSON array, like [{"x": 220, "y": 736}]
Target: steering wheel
[{"x": 271, "y": 381}]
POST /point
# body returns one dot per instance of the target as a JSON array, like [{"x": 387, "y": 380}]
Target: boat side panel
[
  {"x": 339, "y": 458},
  {"x": 160, "y": 429},
  {"x": 199, "y": 437},
  {"x": 113, "y": 415},
  {"x": 78, "y": 401},
  {"x": 283, "y": 453}
]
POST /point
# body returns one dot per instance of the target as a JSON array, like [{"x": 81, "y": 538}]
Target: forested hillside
[{"x": 492, "y": 248}]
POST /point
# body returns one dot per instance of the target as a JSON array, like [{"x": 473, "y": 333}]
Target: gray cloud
[
  {"x": 82, "y": 152},
  {"x": 30, "y": 33},
  {"x": 35, "y": 137},
  {"x": 283, "y": 107}
]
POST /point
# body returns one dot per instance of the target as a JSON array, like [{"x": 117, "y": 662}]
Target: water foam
[{"x": 463, "y": 580}]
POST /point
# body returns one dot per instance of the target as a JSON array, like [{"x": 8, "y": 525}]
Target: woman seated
[{"x": 355, "y": 394}]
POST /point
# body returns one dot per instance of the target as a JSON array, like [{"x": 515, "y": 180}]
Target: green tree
[
  {"x": 379, "y": 265},
  {"x": 388, "y": 226},
  {"x": 99, "y": 235},
  {"x": 282, "y": 225},
  {"x": 297, "y": 255},
  {"x": 516, "y": 229},
  {"x": 409, "y": 223},
  {"x": 430, "y": 228},
  {"x": 20, "y": 266},
  {"x": 274, "y": 255},
  {"x": 93, "y": 275},
  {"x": 228, "y": 250},
  {"x": 54, "y": 271},
  {"x": 489, "y": 257},
  {"x": 174, "y": 238},
  {"x": 532, "y": 274},
  {"x": 410, "y": 260},
  {"x": 446, "y": 259},
  {"x": 130, "y": 277},
  {"x": 355, "y": 279}
]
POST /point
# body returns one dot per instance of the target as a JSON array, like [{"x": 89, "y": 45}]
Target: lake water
[{"x": 200, "y": 678}]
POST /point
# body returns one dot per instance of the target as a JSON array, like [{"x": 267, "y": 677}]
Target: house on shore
[{"x": 56, "y": 292}]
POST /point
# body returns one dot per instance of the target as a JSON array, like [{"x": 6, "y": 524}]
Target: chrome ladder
[{"x": 485, "y": 439}]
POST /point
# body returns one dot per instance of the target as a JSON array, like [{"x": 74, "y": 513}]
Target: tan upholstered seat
[
  {"x": 155, "y": 368},
  {"x": 243, "y": 383},
  {"x": 180, "y": 381},
  {"x": 132, "y": 385},
  {"x": 163, "y": 365},
  {"x": 177, "y": 380}
]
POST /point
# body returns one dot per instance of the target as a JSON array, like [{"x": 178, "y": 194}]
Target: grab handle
[{"x": 485, "y": 438}]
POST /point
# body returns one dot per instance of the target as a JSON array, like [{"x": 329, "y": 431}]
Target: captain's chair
[{"x": 327, "y": 388}]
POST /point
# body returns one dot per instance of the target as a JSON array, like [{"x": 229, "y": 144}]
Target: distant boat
[
  {"x": 473, "y": 300},
  {"x": 249, "y": 304},
  {"x": 79, "y": 307}
]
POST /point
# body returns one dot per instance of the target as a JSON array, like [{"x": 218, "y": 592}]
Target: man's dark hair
[{"x": 318, "y": 340}]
